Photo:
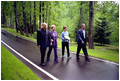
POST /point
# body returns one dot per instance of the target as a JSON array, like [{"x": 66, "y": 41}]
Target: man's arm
[
  {"x": 38, "y": 38},
  {"x": 62, "y": 36},
  {"x": 49, "y": 37},
  {"x": 79, "y": 37}
]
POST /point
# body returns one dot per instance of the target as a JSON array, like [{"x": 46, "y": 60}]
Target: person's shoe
[
  {"x": 43, "y": 64},
  {"x": 78, "y": 58},
  {"x": 69, "y": 57},
  {"x": 48, "y": 59},
  {"x": 57, "y": 60},
  {"x": 87, "y": 59},
  {"x": 63, "y": 56}
]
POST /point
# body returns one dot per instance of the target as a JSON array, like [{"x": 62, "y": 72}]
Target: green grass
[
  {"x": 111, "y": 53},
  {"x": 18, "y": 34},
  {"x": 14, "y": 69}
]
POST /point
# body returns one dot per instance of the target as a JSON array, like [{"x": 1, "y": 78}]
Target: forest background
[{"x": 100, "y": 17}]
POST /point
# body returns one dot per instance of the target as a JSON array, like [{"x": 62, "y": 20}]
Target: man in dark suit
[
  {"x": 43, "y": 41},
  {"x": 81, "y": 41}
]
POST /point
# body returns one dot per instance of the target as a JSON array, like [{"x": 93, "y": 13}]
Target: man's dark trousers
[
  {"x": 42, "y": 50},
  {"x": 84, "y": 50}
]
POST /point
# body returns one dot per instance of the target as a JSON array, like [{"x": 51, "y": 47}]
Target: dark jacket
[
  {"x": 43, "y": 38},
  {"x": 80, "y": 37}
]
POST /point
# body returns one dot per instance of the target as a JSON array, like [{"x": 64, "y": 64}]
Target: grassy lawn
[
  {"x": 14, "y": 69},
  {"x": 108, "y": 52}
]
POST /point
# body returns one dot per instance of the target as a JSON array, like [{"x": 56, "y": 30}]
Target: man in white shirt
[{"x": 84, "y": 33}]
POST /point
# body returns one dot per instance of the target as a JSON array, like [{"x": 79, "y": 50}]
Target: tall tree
[
  {"x": 15, "y": 16},
  {"x": 43, "y": 10},
  {"x": 102, "y": 31},
  {"x": 2, "y": 18},
  {"x": 40, "y": 16},
  {"x": 91, "y": 42},
  {"x": 30, "y": 21},
  {"x": 35, "y": 17},
  {"x": 47, "y": 12},
  {"x": 25, "y": 21},
  {"x": 16, "y": 19},
  {"x": 102, "y": 28},
  {"x": 3, "y": 11}
]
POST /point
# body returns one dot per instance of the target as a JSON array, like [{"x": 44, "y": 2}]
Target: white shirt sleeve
[{"x": 84, "y": 33}]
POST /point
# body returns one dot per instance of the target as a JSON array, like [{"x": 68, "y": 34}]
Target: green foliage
[
  {"x": 111, "y": 14},
  {"x": 60, "y": 13},
  {"x": 35, "y": 33},
  {"x": 102, "y": 31}
]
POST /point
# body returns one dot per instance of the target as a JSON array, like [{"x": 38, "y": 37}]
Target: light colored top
[
  {"x": 83, "y": 33},
  {"x": 62, "y": 36},
  {"x": 53, "y": 34}
]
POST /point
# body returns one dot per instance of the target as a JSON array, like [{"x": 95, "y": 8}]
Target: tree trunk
[
  {"x": 43, "y": 10},
  {"x": 40, "y": 16},
  {"x": 16, "y": 19},
  {"x": 16, "y": 25},
  {"x": 49, "y": 13},
  {"x": 91, "y": 42},
  {"x": 80, "y": 8},
  {"x": 34, "y": 16},
  {"x": 30, "y": 21},
  {"x": 25, "y": 21},
  {"x": 46, "y": 11},
  {"x": 2, "y": 11},
  {"x": 10, "y": 20}
]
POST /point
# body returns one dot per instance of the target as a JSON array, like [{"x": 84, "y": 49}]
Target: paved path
[{"x": 66, "y": 69}]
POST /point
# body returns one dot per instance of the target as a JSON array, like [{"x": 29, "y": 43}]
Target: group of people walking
[{"x": 46, "y": 38}]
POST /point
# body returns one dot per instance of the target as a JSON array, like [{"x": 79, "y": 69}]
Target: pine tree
[
  {"x": 25, "y": 20},
  {"x": 102, "y": 31},
  {"x": 102, "y": 28}
]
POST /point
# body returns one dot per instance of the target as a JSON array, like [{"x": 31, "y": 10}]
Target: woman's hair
[
  {"x": 53, "y": 26},
  {"x": 64, "y": 27}
]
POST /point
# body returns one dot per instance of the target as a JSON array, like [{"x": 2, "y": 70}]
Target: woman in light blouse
[{"x": 65, "y": 42}]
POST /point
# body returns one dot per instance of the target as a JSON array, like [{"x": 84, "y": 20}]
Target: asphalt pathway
[{"x": 66, "y": 69}]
